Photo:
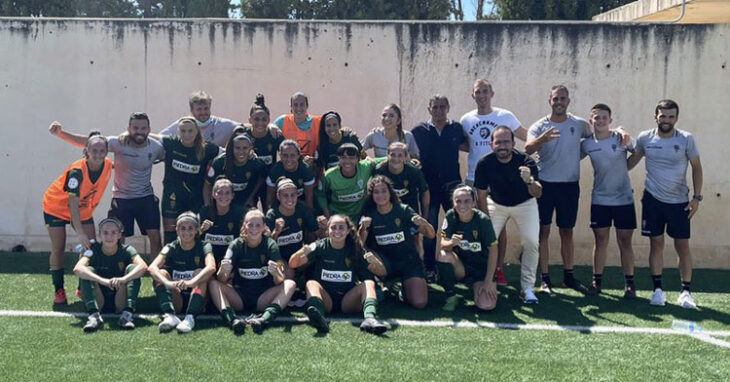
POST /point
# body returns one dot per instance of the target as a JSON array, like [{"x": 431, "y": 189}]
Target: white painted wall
[{"x": 90, "y": 74}]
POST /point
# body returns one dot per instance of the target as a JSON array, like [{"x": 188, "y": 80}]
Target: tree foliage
[
  {"x": 553, "y": 9},
  {"x": 115, "y": 8},
  {"x": 350, "y": 9}
]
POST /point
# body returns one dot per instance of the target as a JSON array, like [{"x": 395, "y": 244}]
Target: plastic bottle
[
  {"x": 686, "y": 326},
  {"x": 86, "y": 252}
]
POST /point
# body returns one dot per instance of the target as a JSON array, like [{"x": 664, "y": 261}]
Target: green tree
[
  {"x": 553, "y": 9},
  {"x": 350, "y": 9}
]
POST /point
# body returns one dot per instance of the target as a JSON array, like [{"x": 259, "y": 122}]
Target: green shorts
[
  {"x": 176, "y": 200},
  {"x": 53, "y": 221}
]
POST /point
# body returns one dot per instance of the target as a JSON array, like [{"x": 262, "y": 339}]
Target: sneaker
[
  {"x": 60, "y": 297},
  {"x": 169, "y": 322},
  {"x": 575, "y": 285},
  {"x": 238, "y": 326},
  {"x": 431, "y": 276},
  {"x": 546, "y": 287},
  {"x": 316, "y": 320},
  {"x": 93, "y": 323},
  {"x": 528, "y": 297},
  {"x": 686, "y": 301},
  {"x": 373, "y": 325},
  {"x": 126, "y": 321},
  {"x": 451, "y": 303},
  {"x": 629, "y": 292},
  {"x": 594, "y": 289},
  {"x": 500, "y": 278},
  {"x": 658, "y": 298},
  {"x": 257, "y": 323},
  {"x": 186, "y": 325}
]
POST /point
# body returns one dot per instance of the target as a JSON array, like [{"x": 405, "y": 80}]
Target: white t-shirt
[{"x": 478, "y": 128}]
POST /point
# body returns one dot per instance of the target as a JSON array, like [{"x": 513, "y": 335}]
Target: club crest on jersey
[
  {"x": 348, "y": 262},
  {"x": 197, "y": 261},
  {"x": 360, "y": 183},
  {"x": 475, "y": 233},
  {"x": 299, "y": 222},
  {"x": 248, "y": 174},
  {"x": 121, "y": 266},
  {"x": 676, "y": 148},
  {"x": 269, "y": 147},
  {"x": 230, "y": 226},
  {"x": 484, "y": 132},
  {"x": 262, "y": 258},
  {"x": 397, "y": 222}
]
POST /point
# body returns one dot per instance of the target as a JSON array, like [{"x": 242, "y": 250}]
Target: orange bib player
[
  {"x": 301, "y": 126},
  {"x": 72, "y": 198}
]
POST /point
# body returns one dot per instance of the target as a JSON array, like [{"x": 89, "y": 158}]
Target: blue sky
[{"x": 470, "y": 8}]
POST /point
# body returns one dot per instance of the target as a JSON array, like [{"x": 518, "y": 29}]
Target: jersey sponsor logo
[
  {"x": 253, "y": 273},
  {"x": 351, "y": 198},
  {"x": 465, "y": 245},
  {"x": 336, "y": 276},
  {"x": 73, "y": 184},
  {"x": 393, "y": 238},
  {"x": 218, "y": 239},
  {"x": 292, "y": 238},
  {"x": 239, "y": 186},
  {"x": 182, "y": 275},
  {"x": 401, "y": 192},
  {"x": 185, "y": 167},
  {"x": 268, "y": 159}
]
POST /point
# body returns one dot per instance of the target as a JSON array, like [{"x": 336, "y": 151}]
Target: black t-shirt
[{"x": 503, "y": 179}]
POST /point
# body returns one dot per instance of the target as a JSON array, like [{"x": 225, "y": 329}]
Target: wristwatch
[{"x": 697, "y": 198}]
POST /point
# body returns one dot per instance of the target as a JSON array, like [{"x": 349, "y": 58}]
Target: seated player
[
  {"x": 221, "y": 221},
  {"x": 251, "y": 277},
  {"x": 467, "y": 239},
  {"x": 388, "y": 228},
  {"x": 110, "y": 277},
  {"x": 340, "y": 277},
  {"x": 181, "y": 272}
]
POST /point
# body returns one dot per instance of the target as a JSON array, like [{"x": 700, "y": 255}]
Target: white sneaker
[
  {"x": 126, "y": 321},
  {"x": 169, "y": 322},
  {"x": 528, "y": 297},
  {"x": 686, "y": 301},
  {"x": 186, "y": 325},
  {"x": 658, "y": 298}
]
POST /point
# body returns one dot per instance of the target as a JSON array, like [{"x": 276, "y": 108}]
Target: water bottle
[
  {"x": 86, "y": 252},
  {"x": 686, "y": 326}
]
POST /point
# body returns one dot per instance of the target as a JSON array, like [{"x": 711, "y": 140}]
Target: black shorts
[
  {"x": 110, "y": 297},
  {"x": 337, "y": 297},
  {"x": 53, "y": 221},
  {"x": 623, "y": 217},
  {"x": 176, "y": 200},
  {"x": 561, "y": 197},
  {"x": 145, "y": 210},
  {"x": 473, "y": 273},
  {"x": 405, "y": 269},
  {"x": 250, "y": 296},
  {"x": 656, "y": 215}
]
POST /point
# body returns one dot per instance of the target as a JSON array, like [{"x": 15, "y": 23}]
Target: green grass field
[{"x": 33, "y": 348}]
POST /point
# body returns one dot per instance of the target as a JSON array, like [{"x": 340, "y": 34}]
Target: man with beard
[
  {"x": 132, "y": 194},
  {"x": 507, "y": 185},
  {"x": 214, "y": 129},
  {"x": 665, "y": 202}
]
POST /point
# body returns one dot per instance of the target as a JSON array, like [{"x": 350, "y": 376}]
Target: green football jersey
[
  {"x": 181, "y": 263},
  {"x": 108, "y": 266},
  {"x": 337, "y": 270},
  {"x": 250, "y": 265},
  {"x": 265, "y": 147},
  {"x": 329, "y": 158},
  {"x": 410, "y": 184},
  {"x": 244, "y": 177},
  {"x": 391, "y": 235},
  {"x": 342, "y": 195},
  {"x": 292, "y": 237},
  {"x": 477, "y": 237},
  {"x": 182, "y": 166},
  {"x": 225, "y": 229},
  {"x": 302, "y": 176}
]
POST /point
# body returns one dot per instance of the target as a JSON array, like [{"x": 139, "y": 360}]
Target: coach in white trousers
[{"x": 507, "y": 185}]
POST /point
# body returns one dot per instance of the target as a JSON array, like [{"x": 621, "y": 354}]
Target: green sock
[
  {"x": 132, "y": 293},
  {"x": 165, "y": 299},
  {"x": 228, "y": 314},
  {"x": 88, "y": 294},
  {"x": 447, "y": 277},
  {"x": 57, "y": 277},
  {"x": 271, "y": 312},
  {"x": 317, "y": 303},
  {"x": 370, "y": 308},
  {"x": 196, "y": 302}
]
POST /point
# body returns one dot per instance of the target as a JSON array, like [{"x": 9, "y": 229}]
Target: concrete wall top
[{"x": 90, "y": 74}]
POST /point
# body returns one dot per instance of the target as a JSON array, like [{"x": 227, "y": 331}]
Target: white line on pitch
[{"x": 704, "y": 336}]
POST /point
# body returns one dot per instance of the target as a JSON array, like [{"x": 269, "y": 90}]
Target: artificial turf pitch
[{"x": 33, "y": 348}]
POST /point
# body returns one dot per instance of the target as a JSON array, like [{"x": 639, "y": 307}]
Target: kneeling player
[
  {"x": 109, "y": 273},
  {"x": 253, "y": 264},
  {"x": 466, "y": 243},
  {"x": 180, "y": 270},
  {"x": 388, "y": 228},
  {"x": 338, "y": 262}
]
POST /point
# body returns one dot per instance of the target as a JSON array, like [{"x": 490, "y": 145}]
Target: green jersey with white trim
[
  {"x": 342, "y": 195},
  {"x": 410, "y": 184},
  {"x": 250, "y": 265},
  {"x": 181, "y": 263},
  {"x": 182, "y": 166},
  {"x": 391, "y": 234},
  {"x": 292, "y": 236},
  {"x": 108, "y": 266},
  {"x": 244, "y": 177},
  {"x": 337, "y": 270},
  {"x": 477, "y": 237}
]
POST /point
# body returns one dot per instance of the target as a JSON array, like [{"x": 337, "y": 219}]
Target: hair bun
[{"x": 259, "y": 99}]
